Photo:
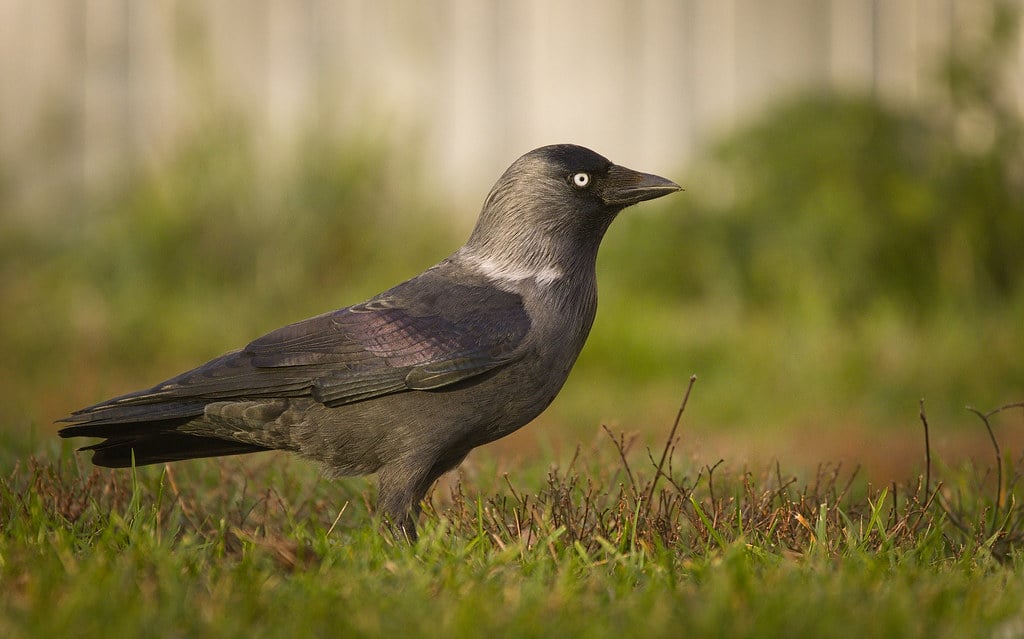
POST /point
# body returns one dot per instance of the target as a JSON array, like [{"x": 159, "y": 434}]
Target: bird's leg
[
  {"x": 402, "y": 488},
  {"x": 404, "y": 529},
  {"x": 399, "y": 517}
]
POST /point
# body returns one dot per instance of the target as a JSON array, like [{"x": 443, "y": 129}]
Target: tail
[
  {"x": 153, "y": 441},
  {"x": 122, "y": 452}
]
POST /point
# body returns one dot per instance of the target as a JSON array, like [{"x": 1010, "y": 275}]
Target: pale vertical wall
[{"x": 89, "y": 88}]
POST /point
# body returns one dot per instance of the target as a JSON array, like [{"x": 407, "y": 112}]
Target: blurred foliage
[
  {"x": 838, "y": 257},
  {"x": 830, "y": 262},
  {"x": 845, "y": 202}
]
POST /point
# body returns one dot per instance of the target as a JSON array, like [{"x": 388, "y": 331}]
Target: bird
[{"x": 407, "y": 383}]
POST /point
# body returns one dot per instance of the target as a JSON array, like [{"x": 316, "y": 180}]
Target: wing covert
[{"x": 420, "y": 335}]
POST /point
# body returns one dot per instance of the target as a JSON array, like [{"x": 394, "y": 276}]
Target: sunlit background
[{"x": 177, "y": 178}]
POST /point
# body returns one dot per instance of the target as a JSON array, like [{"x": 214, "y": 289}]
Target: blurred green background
[{"x": 833, "y": 260}]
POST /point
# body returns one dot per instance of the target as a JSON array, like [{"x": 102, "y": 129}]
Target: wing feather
[{"x": 423, "y": 334}]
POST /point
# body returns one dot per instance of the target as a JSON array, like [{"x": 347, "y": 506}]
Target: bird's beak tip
[{"x": 633, "y": 187}]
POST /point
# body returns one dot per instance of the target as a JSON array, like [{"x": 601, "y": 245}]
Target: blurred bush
[
  {"x": 844, "y": 202},
  {"x": 836, "y": 258}
]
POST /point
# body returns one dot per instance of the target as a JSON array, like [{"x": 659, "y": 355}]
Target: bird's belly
[{"x": 361, "y": 437}]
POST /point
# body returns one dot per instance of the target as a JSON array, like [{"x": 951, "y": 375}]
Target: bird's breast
[{"x": 561, "y": 318}]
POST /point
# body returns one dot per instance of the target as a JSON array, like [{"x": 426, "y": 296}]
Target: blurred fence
[{"x": 90, "y": 88}]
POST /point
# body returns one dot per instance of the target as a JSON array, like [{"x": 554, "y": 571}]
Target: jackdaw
[{"x": 407, "y": 383}]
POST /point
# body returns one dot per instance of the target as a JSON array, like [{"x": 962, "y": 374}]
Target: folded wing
[{"x": 420, "y": 335}]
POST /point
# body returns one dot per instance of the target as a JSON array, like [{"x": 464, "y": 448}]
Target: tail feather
[
  {"x": 144, "y": 416},
  {"x": 148, "y": 441},
  {"x": 122, "y": 429},
  {"x": 157, "y": 448}
]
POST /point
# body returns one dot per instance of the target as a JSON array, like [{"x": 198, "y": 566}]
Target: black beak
[{"x": 625, "y": 187}]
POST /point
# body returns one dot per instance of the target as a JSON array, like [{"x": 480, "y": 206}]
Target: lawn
[{"x": 588, "y": 546}]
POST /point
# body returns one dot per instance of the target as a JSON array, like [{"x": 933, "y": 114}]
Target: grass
[{"x": 613, "y": 540}]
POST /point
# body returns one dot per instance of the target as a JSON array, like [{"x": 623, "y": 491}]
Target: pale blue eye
[{"x": 581, "y": 180}]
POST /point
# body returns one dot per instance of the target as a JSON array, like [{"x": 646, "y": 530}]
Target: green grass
[{"x": 592, "y": 547}]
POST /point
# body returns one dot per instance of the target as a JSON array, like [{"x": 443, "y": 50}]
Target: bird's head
[{"x": 549, "y": 211}]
